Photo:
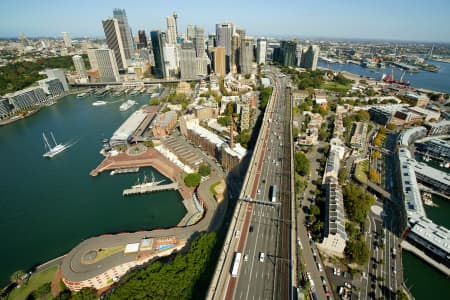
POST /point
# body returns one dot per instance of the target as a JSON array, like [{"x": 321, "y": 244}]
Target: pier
[
  {"x": 413, "y": 249},
  {"x": 150, "y": 189}
]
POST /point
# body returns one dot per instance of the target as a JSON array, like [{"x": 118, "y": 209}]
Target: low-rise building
[
  {"x": 358, "y": 138},
  {"x": 163, "y": 124},
  {"x": 184, "y": 88},
  {"x": 438, "y": 128},
  {"x": 436, "y": 148}
]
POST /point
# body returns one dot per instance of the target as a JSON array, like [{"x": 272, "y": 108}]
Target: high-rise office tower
[
  {"x": 310, "y": 57},
  {"x": 171, "y": 30},
  {"x": 235, "y": 52},
  {"x": 79, "y": 66},
  {"x": 158, "y": 54},
  {"x": 288, "y": 53},
  {"x": 199, "y": 41},
  {"x": 241, "y": 33},
  {"x": 107, "y": 66},
  {"x": 114, "y": 41},
  {"x": 125, "y": 32},
  {"x": 224, "y": 32},
  {"x": 67, "y": 39},
  {"x": 188, "y": 62},
  {"x": 171, "y": 61},
  {"x": 142, "y": 39},
  {"x": 247, "y": 54},
  {"x": 219, "y": 61},
  {"x": 190, "y": 32},
  {"x": 261, "y": 51}
]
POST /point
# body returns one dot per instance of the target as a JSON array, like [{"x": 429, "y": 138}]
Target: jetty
[
  {"x": 149, "y": 189},
  {"x": 124, "y": 171}
]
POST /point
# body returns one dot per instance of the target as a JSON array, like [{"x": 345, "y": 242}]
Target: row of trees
[
  {"x": 264, "y": 96},
  {"x": 193, "y": 179},
  {"x": 357, "y": 204}
]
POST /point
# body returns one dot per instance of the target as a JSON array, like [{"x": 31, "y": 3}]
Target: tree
[
  {"x": 41, "y": 291},
  {"x": 342, "y": 175},
  {"x": 357, "y": 251},
  {"x": 315, "y": 210},
  {"x": 376, "y": 154},
  {"x": 192, "y": 179},
  {"x": 373, "y": 175},
  {"x": 301, "y": 163},
  {"x": 401, "y": 295},
  {"x": 17, "y": 277},
  {"x": 85, "y": 294},
  {"x": 224, "y": 121},
  {"x": 356, "y": 202},
  {"x": 204, "y": 170}
]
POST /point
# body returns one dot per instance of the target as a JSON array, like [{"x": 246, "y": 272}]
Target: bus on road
[
  {"x": 274, "y": 193},
  {"x": 236, "y": 263}
]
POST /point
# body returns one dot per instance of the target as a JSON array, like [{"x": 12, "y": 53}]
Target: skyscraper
[
  {"x": 171, "y": 30},
  {"x": 125, "y": 32},
  {"x": 199, "y": 41},
  {"x": 310, "y": 57},
  {"x": 247, "y": 54},
  {"x": 79, "y": 66},
  {"x": 219, "y": 61},
  {"x": 241, "y": 33},
  {"x": 114, "y": 41},
  {"x": 288, "y": 53},
  {"x": 67, "y": 40},
  {"x": 224, "y": 32},
  {"x": 261, "y": 51},
  {"x": 142, "y": 39},
  {"x": 190, "y": 32},
  {"x": 171, "y": 60},
  {"x": 188, "y": 63},
  {"x": 107, "y": 66},
  {"x": 158, "y": 54},
  {"x": 235, "y": 52}
]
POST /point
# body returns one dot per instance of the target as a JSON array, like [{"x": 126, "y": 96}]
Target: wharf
[
  {"x": 149, "y": 158},
  {"x": 413, "y": 249},
  {"x": 149, "y": 189},
  {"x": 124, "y": 171}
]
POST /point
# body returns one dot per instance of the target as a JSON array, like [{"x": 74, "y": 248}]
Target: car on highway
[
  {"x": 319, "y": 266},
  {"x": 250, "y": 229},
  {"x": 261, "y": 256},
  {"x": 246, "y": 257}
]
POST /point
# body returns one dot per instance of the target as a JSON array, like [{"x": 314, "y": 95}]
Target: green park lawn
[
  {"x": 36, "y": 280},
  {"x": 361, "y": 171}
]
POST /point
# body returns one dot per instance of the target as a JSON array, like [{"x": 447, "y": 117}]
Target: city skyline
[{"x": 401, "y": 21}]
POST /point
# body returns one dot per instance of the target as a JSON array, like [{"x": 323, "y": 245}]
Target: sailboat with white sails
[{"x": 56, "y": 149}]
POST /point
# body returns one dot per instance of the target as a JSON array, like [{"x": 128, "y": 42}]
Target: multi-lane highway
[
  {"x": 270, "y": 224},
  {"x": 261, "y": 229}
]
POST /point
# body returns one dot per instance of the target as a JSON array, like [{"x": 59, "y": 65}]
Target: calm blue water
[
  {"x": 48, "y": 206},
  {"x": 439, "y": 81}
]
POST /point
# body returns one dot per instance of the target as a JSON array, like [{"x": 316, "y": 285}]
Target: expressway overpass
[{"x": 260, "y": 228}]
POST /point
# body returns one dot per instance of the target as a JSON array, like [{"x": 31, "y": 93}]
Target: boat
[
  {"x": 389, "y": 78},
  {"x": 134, "y": 93},
  {"x": 82, "y": 95},
  {"x": 126, "y": 105},
  {"x": 56, "y": 149},
  {"x": 98, "y": 103},
  {"x": 124, "y": 171},
  {"x": 145, "y": 183},
  {"x": 101, "y": 93}
]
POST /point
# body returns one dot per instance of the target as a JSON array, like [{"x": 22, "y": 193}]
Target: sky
[{"x": 413, "y": 20}]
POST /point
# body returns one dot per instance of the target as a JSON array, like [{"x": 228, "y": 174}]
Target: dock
[
  {"x": 124, "y": 170},
  {"x": 150, "y": 189},
  {"x": 411, "y": 248}
]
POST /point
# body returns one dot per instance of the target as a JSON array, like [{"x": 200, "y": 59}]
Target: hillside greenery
[
  {"x": 19, "y": 75},
  {"x": 175, "y": 280}
]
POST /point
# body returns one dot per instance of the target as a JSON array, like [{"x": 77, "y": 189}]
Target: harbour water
[
  {"x": 437, "y": 81},
  {"x": 47, "y": 206}
]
